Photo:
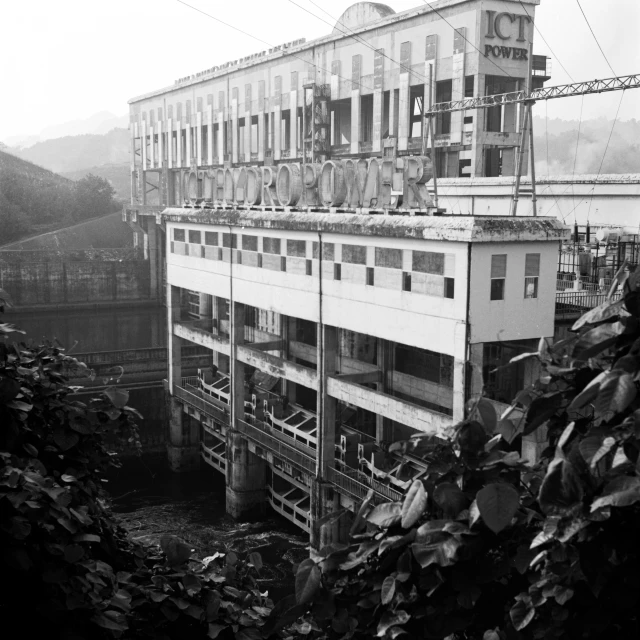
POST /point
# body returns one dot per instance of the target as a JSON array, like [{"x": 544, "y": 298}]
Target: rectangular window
[
  {"x": 230, "y": 240},
  {"x": 178, "y": 235},
  {"x": 309, "y": 267},
  {"x": 211, "y": 238},
  {"x": 449, "y": 288},
  {"x": 328, "y": 251},
  {"x": 172, "y": 247},
  {"x": 370, "y": 276},
  {"x": 260, "y": 261},
  {"x": 406, "y": 281},
  {"x": 389, "y": 258},
  {"x": 337, "y": 271},
  {"x": 283, "y": 263},
  {"x": 249, "y": 243},
  {"x": 354, "y": 254},
  {"x": 468, "y": 86},
  {"x": 239, "y": 257},
  {"x": 271, "y": 245},
  {"x": 443, "y": 94},
  {"x": 498, "y": 275},
  {"x": 468, "y": 120},
  {"x": 428, "y": 262},
  {"x": 531, "y": 274},
  {"x": 424, "y": 364},
  {"x": 297, "y": 248},
  {"x": 195, "y": 237}
]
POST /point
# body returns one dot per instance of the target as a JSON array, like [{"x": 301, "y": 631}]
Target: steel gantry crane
[{"x": 528, "y": 99}]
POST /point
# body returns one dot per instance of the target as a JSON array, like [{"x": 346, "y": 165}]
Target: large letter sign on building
[
  {"x": 501, "y": 25},
  {"x": 376, "y": 183}
]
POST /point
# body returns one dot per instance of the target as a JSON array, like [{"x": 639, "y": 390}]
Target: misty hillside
[
  {"x": 556, "y": 140},
  {"x": 74, "y": 153},
  {"x": 35, "y": 200},
  {"x": 118, "y": 175}
]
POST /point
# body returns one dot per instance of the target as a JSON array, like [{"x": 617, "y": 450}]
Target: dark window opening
[
  {"x": 309, "y": 268},
  {"x": 297, "y": 248},
  {"x": 449, "y": 288},
  {"x": 370, "y": 276},
  {"x": 271, "y": 245},
  {"x": 366, "y": 118},
  {"x": 337, "y": 271},
  {"x": 443, "y": 94},
  {"x": 424, "y": 364},
  {"x": 195, "y": 237},
  {"x": 469, "y": 84},
  {"x": 406, "y": 281},
  {"x": 249, "y": 243},
  {"x": 328, "y": 250},
  {"x": 230, "y": 240},
  {"x": 416, "y": 102},
  {"x": 178, "y": 235},
  {"x": 464, "y": 168}
]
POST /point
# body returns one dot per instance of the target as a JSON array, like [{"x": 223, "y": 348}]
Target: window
[
  {"x": 531, "y": 273},
  {"x": 271, "y": 245},
  {"x": 230, "y": 240},
  {"x": 443, "y": 94},
  {"x": 370, "y": 276},
  {"x": 406, "y": 281},
  {"x": 178, "y": 235},
  {"x": 449, "y": 287},
  {"x": 297, "y": 248},
  {"x": 260, "y": 261},
  {"x": 211, "y": 238},
  {"x": 389, "y": 258},
  {"x": 354, "y": 254},
  {"x": 424, "y": 364},
  {"x": 249, "y": 243},
  {"x": 337, "y": 271},
  {"x": 428, "y": 262},
  {"x": 195, "y": 237},
  {"x": 283, "y": 263},
  {"x": 468, "y": 86},
  {"x": 309, "y": 268},
  {"x": 328, "y": 251},
  {"x": 498, "y": 275}
]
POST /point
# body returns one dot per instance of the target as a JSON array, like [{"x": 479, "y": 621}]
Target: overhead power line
[
  {"x": 594, "y": 37},
  {"x": 246, "y": 33},
  {"x": 548, "y": 45}
]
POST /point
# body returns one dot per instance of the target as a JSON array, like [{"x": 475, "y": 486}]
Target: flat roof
[
  {"x": 396, "y": 17},
  {"x": 446, "y": 228}
]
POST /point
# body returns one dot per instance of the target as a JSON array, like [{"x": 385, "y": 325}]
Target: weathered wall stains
[{"x": 35, "y": 284}]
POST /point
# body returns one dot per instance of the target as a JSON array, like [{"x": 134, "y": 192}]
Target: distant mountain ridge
[{"x": 74, "y": 153}]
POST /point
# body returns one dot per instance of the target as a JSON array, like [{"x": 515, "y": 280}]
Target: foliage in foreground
[
  {"x": 484, "y": 545},
  {"x": 71, "y": 571}
]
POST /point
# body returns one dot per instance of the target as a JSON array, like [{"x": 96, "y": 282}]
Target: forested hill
[
  {"x": 35, "y": 200},
  {"x": 74, "y": 153}
]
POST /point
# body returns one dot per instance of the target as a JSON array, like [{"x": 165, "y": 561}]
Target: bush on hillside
[{"x": 487, "y": 546}]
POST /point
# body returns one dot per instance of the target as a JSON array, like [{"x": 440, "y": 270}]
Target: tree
[
  {"x": 485, "y": 545},
  {"x": 94, "y": 197},
  {"x": 70, "y": 571}
]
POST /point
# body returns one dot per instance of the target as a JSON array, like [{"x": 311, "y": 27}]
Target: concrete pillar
[
  {"x": 154, "y": 259},
  {"x": 457, "y": 84},
  {"x": 143, "y": 145},
  {"x": 187, "y": 159},
  {"x": 356, "y": 68},
  {"x": 246, "y": 480},
  {"x": 199, "y": 138},
  {"x": 378, "y": 101},
  {"x": 246, "y": 472},
  {"x": 261, "y": 132},
  {"x": 183, "y": 447},
  {"x": 385, "y": 364},
  {"x": 324, "y": 500},
  {"x": 174, "y": 343},
  {"x": 179, "y": 145},
  {"x": 234, "y": 127},
  {"x": 404, "y": 97},
  {"x": 460, "y": 393},
  {"x": 170, "y": 143},
  {"x": 277, "y": 117},
  {"x": 326, "y": 405},
  {"x": 210, "y": 135}
]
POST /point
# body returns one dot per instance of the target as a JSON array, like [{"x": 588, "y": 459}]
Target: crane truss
[{"x": 619, "y": 83}]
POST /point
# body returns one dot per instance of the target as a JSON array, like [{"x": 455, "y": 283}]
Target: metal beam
[{"x": 619, "y": 83}]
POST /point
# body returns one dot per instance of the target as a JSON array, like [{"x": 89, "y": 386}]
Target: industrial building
[{"x": 287, "y": 209}]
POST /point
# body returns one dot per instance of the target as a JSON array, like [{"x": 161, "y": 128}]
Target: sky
[{"x": 66, "y": 60}]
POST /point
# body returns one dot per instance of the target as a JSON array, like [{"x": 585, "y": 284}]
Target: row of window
[
  {"x": 499, "y": 275},
  {"x": 431, "y": 262},
  {"x": 440, "y": 286}
]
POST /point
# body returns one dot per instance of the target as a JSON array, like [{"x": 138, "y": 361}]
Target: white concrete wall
[{"x": 514, "y": 318}]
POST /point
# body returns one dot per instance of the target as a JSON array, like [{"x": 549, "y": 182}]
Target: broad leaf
[
  {"x": 488, "y": 414},
  {"x": 450, "y": 499},
  {"x": 388, "y": 590},
  {"x": 561, "y": 489},
  {"x": 600, "y": 313},
  {"x": 498, "y": 504},
  {"x": 589, "y": 393},
  {"x": 414, "y": 504},
  {"x": 521, "y": 614},
  {"x": 385, "y": 515},
  {"x": 390, "y": 619},
  {"x": 118, "y": 397},
  {"x": 597, "y": 340},
  {"x": 307, "y": 580},
  {"x": 541, "y": 410},
  {"x": 616, "y": 393},
  {"x": 620, "y": 492}
]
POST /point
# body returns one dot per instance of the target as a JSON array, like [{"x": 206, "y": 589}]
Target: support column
[
  {"x": 385, "y": 364},
  {"x": 246, "y": 472},
  {"x": 378, "y": 100},
  {"x": 356, "y": 67},
  {"x": 183, "y": 447},
  {"x": 179, "y": 144},
  {"x": 210, "y": 134},
  {"x": 187, "y": 159},
  {"x": 261, "y": 132},
  {"x": 174, "y": 344},
  {"x": 322, "y": 494},
  {"x": 457, "y": 84},
  {"x": 221, "y": 126},
  {"x": 234, "y": 126},
  {"x": 277, "y": 117},
  {"x": 199, "y": 138},
  {"x": 247, "y": 123},
  {"x": 405, "y": 96},
  {"x": 460, "y": 394},
  {"x": 152, "y": 233}
]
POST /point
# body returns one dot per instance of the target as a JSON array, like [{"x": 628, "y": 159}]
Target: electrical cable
[
  {"x": 545, "y": 41},
  {"x": 604, "y": 154},
  {"x": 575, "y": 155},
  {"x": 246, "y": 33},
  {"x": 596, "y": 39},
  {"x": 495, "y": 64}
]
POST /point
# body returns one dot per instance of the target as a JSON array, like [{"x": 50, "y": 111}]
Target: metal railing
[
  {"x": 357, "y": 485},
  {"x": 570, "y": 303},
  {"x": 136, "y": 355},
  {"x": 201, "y": 404},
  {"x": 293, "y": 456}
]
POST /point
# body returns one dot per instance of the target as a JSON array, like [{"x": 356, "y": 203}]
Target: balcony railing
[
  {"x": 197, "y": 402},
  {"x": 572, "y": 303},
  {"x": 356, "y": 485}
]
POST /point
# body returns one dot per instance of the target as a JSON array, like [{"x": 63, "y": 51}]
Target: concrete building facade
[{"x": 286, "y": 206}]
